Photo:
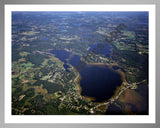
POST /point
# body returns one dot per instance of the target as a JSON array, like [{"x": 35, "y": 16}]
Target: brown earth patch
[{"x": 131, "y": 97}]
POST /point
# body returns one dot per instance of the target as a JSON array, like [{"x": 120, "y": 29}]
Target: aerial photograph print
[{"x": 80, "y": 62}]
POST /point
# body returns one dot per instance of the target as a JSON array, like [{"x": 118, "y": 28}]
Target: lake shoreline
[{"x": 121, "y": 73}]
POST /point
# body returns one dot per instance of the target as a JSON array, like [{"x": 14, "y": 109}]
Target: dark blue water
[
  {"x": 61, "y": 54},
  {"x": 105, "y": 50},
  {"x": 99, "y": 81},
  {"x": 116, "y": 68},
  {"x": 74, "y": 60},
  {"x": 66, "y": 66},
  {"x": 66, "y": 57}
]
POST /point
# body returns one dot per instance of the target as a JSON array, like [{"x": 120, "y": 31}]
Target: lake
[
  {"x": 67, "y": 58},
  {"x": 63, "y": 55},
  {"x": 99, "y": 81}
]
